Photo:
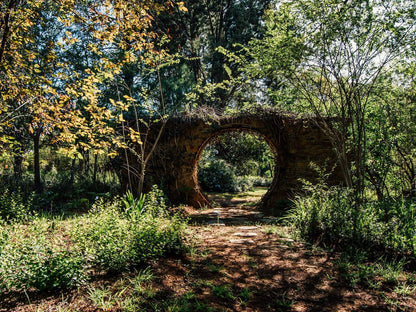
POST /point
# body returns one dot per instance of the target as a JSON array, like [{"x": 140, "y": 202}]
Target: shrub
[
  {"x": 332, "y": 216},
  {"x": 13, "y": 206},
  {"x": 217, "y": 175},
  {"x": 29, "y": 257},
  {"x": 114, "y": 241},
  {"x": 244, "y": 183},
  {"x": 156, "y": 202}
]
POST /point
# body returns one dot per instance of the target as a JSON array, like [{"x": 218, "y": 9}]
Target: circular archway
[
  {"x": 235, "y": 167},
  {"x": 176, "y": 151}
]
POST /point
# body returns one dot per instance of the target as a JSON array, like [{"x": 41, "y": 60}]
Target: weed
[
  {"x": 245, "y": 294},
  {"x": 15, "y": 207},
  {"x": 102, "y": 298},
  {"x": 223, "y": 291},
  {"x": 141, "y": 283},
  {"x": 215, "y": 268},
  {"x": 283, "y": 302},
  {"x": 391, "y": 271},
  {"x": 134, "y": 208},
  {"x": 404, "y": 289}
]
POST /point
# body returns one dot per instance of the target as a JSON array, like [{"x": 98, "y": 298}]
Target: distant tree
[
  {"x": 332, "y": 54},
  {"x": 196, "y": 33},
  {"x": 391, "y": 133}
]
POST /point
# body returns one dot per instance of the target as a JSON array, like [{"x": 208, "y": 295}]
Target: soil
[{"x": 238, "y": 263}]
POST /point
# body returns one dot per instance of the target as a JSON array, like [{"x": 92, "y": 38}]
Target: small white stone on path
[
  {"x": 247, "y": 228},
  {"x": 241, "y": 241},
  {"x": 245, "y": 234}
]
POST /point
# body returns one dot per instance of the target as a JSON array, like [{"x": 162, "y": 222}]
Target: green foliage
[
  {"x": 102, "y": 298},
  {"x": 236, "y": 162},
  {"x": 133, "y": 207},
  {"x": 115, "y": 242},
  {"x": 332, "y": 216},
  {"x": 217, "y": 176},
  {"x": 355, "y": 267},
  {"x": 46, "y": 255},
  {"x": 223, "y": 291},
  {"x": 247, "y": 152},
  {"x": 14, "y": 207},
  {"x": 30, "y": 257},
  {"x": 156, "y": 203}
]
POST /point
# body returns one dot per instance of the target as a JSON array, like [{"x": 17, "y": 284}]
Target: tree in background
[
  {"x": 391, "y": 162},
  {"x": 45, "y": 89},
  {"x": 332, "y": 53},
  {"x": 197, "y": 33}
]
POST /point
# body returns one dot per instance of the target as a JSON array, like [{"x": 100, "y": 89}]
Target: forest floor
[{"x": 239, "y": 260}]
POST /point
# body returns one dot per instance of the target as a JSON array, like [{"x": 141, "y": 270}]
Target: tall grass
[{"x": 331, "y": 216}]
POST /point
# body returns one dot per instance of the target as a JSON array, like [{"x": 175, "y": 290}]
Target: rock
[
  {"x": 247, "y": 228},
  {"x": 245, "y": 234},
  {"x": 241, "y": 241}
]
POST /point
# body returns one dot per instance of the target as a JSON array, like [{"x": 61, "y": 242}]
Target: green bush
[
  {"x": 217, "y": 176},
  {"x": 244, "y": 183},
  {"x": 14, "y": 207},
  {"x": 57, "y": 254},
  {"x": 331, "y": 216},
  {"x": 30, "y": 258},
  {"x": 156, "y": 203},
  {"x": 114, "y": 241}
]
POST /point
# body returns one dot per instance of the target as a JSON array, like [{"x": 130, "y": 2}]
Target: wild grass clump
[{"x": 332, "y": 216}]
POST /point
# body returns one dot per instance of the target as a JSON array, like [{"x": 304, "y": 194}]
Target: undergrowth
[
  {"x": 49, "y": 254},
  {"x": 331, "y": 216}
]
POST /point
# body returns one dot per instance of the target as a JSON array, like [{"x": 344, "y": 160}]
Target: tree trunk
[
  {"x": 36, "y": 162},
  {"x": 94, "y": 177},
  {"x": 72, "y": 178},
  {"x": 86, "y": 156},
  {"x": 18, "y": 165}
]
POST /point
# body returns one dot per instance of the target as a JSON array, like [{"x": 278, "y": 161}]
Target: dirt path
[{"x": 243, "y": 264}]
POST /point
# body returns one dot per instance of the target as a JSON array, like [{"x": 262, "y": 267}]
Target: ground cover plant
[{"x": 59, "y": 253}]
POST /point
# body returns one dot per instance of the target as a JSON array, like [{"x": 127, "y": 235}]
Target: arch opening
[{"x": 235, "y": 167}]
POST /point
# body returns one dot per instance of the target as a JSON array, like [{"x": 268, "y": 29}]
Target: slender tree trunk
[
  {"x": 141, "y": 179},
  {"x": 36, "y": 162},
  {"x": 6, "y": 28},
  {"x": 86, "y": 156},
  {"x": 94, "y": 177},
  {"x": 72, "y": 178}
]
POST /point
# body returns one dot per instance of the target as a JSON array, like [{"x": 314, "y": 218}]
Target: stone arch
[{"x": 297, "y": 142}]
